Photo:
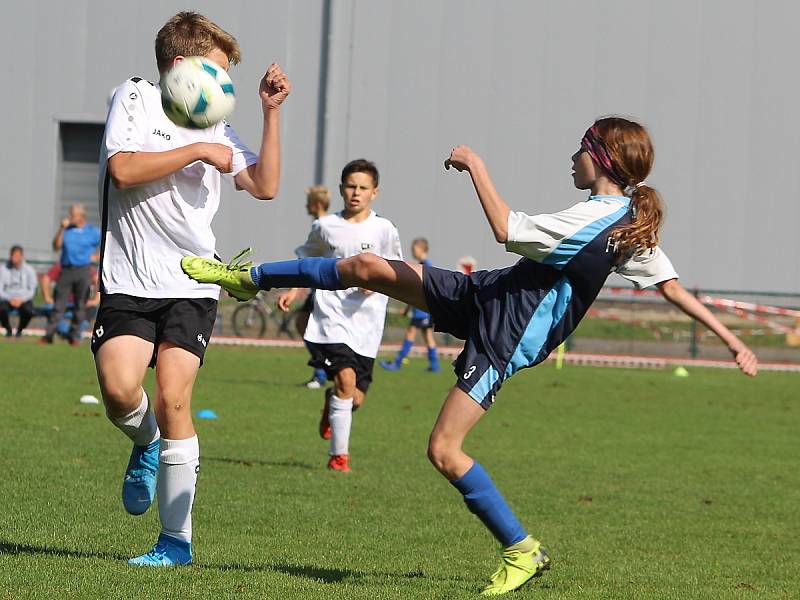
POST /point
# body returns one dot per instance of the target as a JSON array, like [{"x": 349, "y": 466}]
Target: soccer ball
[{"x": 197, "y": 93}]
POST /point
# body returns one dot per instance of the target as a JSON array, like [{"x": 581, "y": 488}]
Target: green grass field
[{"x": 643, "y": 485}]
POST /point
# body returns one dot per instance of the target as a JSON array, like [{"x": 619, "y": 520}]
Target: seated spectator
[{"x": 17, "y": 287}]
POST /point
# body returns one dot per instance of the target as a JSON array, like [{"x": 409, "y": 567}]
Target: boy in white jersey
[
  {"x": 160, "y": 189},
  {"x": 345, "y": 327}
]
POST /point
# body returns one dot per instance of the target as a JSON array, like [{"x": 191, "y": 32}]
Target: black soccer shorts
[{"x": 185, "y": 322}]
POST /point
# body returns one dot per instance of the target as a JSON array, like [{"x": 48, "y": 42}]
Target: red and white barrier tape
[
  {"x": 749, "y": 306},
  {"x": 746, "y": 310}
]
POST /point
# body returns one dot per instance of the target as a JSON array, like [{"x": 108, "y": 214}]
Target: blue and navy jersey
[
  {"x": 574, "y": 257},
  {"x": 513, "y": 318}
]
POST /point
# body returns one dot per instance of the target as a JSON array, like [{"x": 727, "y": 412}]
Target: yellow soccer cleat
[
  {"x": 517, "y": 568},
  {"x": 233, "y": 277}
]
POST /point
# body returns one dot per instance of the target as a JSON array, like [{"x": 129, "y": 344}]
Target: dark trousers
[
  {"x": 25, "y": 311},
  {"x": 75, "y": 281}
]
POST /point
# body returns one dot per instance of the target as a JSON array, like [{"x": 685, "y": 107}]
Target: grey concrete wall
[
  {"x": 71, "y": 54},
  {"x": 518, "y": 81}
]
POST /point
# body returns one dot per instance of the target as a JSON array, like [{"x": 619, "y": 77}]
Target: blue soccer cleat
[
  {"x": 390, "y": 365},
  {"x": 139, "y": 485},
  {"x": 168, "y": 552}
]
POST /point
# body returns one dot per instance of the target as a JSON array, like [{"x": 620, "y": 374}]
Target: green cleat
[
  {"x": 517, "y": 568},
  {"x": 233, "y": 277}
]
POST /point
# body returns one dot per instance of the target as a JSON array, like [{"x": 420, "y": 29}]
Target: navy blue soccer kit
[{"x": 512, "y": 318}]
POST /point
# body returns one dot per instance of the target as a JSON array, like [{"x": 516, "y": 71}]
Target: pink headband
[{"x": 596, "y": 147}]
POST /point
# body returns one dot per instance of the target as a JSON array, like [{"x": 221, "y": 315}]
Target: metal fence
[
  {"x": 621, "y": 321},
  {"x": 625, "y": 321}
]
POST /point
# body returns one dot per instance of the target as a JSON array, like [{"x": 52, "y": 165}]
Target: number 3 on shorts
[{"x": 469, "y": 373}]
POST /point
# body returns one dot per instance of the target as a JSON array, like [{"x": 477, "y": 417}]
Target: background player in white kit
[
  {"x": 160, "y": 187},
  {"x": 345, "y": 327}
]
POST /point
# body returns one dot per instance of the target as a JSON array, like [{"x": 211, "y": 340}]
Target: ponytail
[
  {"x": 642, "y": 232},
  {"x": 627, "y": 159}
]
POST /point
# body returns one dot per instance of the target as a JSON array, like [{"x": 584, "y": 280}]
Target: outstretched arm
[
  {"x": 676, "y": 294},
  {"x": 262, "y": 179},
  {"x": 463, "y": 158}
]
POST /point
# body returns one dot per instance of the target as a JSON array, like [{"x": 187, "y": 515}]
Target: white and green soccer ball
[{"x": 197, "y": 93}]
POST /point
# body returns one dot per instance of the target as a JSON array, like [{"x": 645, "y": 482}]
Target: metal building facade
[{"x": 401, "y": 82}]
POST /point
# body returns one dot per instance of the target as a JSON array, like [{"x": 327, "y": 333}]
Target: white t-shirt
[
  {"x": 349, "y": 316},
  {"x": 148, "y": 228},
  {"x": 554, "y": 239}
]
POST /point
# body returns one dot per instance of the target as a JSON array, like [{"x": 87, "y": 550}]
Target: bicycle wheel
[
  {"x": 249, "y": 321},
  {"x": 285, "y": 323}
]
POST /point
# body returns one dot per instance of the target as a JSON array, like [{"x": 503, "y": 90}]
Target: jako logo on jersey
[
  {"x": 366, "y": 246},
  {"x": 201, "y": 339},
  {"x": 469, "y": 373},
  {"x": 99, "y": 331},
  {"x": 163, "y": 134}
]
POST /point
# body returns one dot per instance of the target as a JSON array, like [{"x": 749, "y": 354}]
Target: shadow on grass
[
  {"x": 312, "y": 572},
  {"x": 291, "y": 464},
  {"x": 306, "y": 571},
  {"x": 326, "y": 575},
  {"x": 7, "y": 547}
]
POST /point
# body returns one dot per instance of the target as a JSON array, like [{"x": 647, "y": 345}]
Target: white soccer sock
[
  {"x": 340, "y": 415},
  {"x": 178, "y": 465},
  {"x": 140, "y": 425}
]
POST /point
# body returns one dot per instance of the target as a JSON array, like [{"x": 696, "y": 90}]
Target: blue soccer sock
[
  {"x": 433, "y": 358},
  {"x": 312, "y": 272},
  {"x": 404, "y": 350},
  {"x": 484, "y": 500},
  {"x": 319, "y": 375}
]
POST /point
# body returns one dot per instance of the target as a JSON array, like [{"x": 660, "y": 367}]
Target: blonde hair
[
  {"x": 319, "y": 194},
  {"x": 192, "y": 34}
]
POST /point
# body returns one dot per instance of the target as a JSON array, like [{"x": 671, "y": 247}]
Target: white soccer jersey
[
  {"x": 555, "y": 239},
  {"x": 350, "y": 316},
  {"x": 148, "y": 228}
]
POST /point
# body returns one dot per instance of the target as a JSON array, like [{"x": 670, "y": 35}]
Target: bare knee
[
  {"x": 345, "y": 384},
  {"x": 172, "y": 408},
  {"x": 361, "y": 268},
  {"x": 443, "y": 454},
  {"x": 120, "y": 398}
]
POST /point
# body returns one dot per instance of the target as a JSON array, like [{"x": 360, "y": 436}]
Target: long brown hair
[{"x": 632, "y": 154}]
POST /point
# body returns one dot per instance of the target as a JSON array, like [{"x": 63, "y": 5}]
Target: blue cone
[{"x": 206, "y": 413}]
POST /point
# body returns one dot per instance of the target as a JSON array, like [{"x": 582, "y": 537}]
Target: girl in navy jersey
[{"x": 513, "y": 318}]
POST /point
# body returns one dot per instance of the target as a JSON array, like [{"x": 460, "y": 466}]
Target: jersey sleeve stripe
[{"x": 569, "y": 247}]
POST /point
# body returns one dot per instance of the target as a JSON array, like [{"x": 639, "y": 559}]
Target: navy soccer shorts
[{"x": 490, "y": 311}]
